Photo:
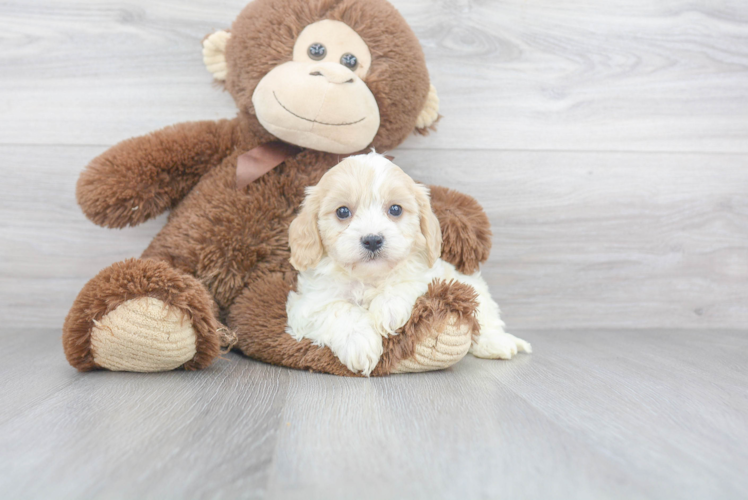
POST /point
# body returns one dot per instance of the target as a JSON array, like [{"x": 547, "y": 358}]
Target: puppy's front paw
[
  {"x": 389, "y": 313},
  {"x": 361, "y": 350},
  {"x": 498, "y": 345}
]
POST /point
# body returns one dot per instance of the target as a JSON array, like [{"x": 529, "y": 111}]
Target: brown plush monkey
[{"x": 331, "y": 77}]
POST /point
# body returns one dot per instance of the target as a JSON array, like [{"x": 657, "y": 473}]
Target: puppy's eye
[
  {"x": 396, "y": 210},
  {"x": 317, "y": 51},
  {"x": 343, "y": 213},
  {"x": 349, "y": 61}
]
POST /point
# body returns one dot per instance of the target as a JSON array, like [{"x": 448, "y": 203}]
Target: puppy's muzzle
[{"x": 372, "y": 242}]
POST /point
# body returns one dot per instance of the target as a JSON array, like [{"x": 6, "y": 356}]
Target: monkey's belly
[{"x": 224, "y": 236}]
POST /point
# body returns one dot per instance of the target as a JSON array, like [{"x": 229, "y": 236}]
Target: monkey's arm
[
  {"x": 466, "y": 231},
  {"x": 142, "y": 177}
]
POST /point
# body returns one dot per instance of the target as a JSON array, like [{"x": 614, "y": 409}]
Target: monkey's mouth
[{"x": 316, "y": 121}]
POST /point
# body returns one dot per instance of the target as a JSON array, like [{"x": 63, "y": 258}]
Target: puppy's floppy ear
[
  {"x": 429, "y": 225},
  {"x": 303, "y": 235}
]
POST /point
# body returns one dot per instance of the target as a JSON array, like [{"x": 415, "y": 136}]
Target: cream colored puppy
[{"x": 367, "y": 245}]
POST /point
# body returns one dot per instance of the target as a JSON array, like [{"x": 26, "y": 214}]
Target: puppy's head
[{"x": 368, "y": 216}]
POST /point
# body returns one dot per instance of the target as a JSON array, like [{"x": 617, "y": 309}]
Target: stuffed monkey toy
[{"x": 314, "y": 80}]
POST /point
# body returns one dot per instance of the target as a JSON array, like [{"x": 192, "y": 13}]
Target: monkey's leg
[
  {"x": 142, "y": 315},
  {"x": 437, "y": 335}
]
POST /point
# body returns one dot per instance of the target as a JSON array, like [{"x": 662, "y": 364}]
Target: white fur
[{"x": 348, "y": 301}]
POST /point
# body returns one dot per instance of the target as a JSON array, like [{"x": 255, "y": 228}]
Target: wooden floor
[
  {"x": 589, "y": 415},
  {"x": 608, "y": 142}
]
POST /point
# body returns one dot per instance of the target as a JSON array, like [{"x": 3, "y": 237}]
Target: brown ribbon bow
[{"x": 262, "y": 159}]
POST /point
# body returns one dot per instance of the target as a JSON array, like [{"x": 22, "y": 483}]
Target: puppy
[{"x": 367, "y": 245}]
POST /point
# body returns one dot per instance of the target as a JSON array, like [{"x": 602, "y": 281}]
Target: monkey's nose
[
  {"x": 372, "y": 242},
  {"x": 333, "y": 72}
]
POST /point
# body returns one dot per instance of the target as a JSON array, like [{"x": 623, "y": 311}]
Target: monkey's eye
[
  {"x": 349, "y": 61},
  {"x": 343, "y": 213},
  {"x": 317, "y": 51},
  {"x": 396, "y": 210}
]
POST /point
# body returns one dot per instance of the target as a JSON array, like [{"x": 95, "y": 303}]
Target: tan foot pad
[
  {"x": 143, "y": 335},
  {"x": 442, "y": 351}
]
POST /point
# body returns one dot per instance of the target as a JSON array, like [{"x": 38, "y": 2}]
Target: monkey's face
[
  {"x": 319, "y": 99},
  {"x": 338, "y": 76}
]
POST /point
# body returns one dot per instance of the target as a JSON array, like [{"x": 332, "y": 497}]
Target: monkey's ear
[
  {"x": 214, "y": 54},
  {"x": 430, "y": 112}
]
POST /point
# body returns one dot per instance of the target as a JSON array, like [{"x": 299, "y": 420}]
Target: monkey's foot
[
  {"x": 141, "y": 316},
  {"x": 439, "y": 351},
  {"x": 143, "y": 335},
  {"x": 438, "y": 334}
]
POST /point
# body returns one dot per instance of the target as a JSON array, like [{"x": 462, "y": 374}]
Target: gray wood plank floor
[
  {"x": 596, "y": 414},
  {"x": 608, "y": 142}
]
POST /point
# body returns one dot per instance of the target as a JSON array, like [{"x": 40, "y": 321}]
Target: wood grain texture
[
  {"x": 598, "y": 415},
  {"x": 581, "y": 240},
  {"x": 575, "y": 75}
]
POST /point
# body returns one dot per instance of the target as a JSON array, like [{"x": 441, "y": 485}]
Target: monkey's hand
[
  {"x": 142, "y": 177},
  {"x": 466, "y": 231}
]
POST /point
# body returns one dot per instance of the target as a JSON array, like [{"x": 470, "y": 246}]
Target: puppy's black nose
[{"x": 372, "y": 242}]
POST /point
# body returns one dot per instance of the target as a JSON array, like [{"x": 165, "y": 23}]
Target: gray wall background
[{"x": 607, "y": 140}]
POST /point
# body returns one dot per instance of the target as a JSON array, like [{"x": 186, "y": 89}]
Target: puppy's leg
[
  {"x": 391, "y": 309},
  {"x": 344, "y": 327},
  {"x": 492, "y": 342},
  {"x": 359, "y": 346}
]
